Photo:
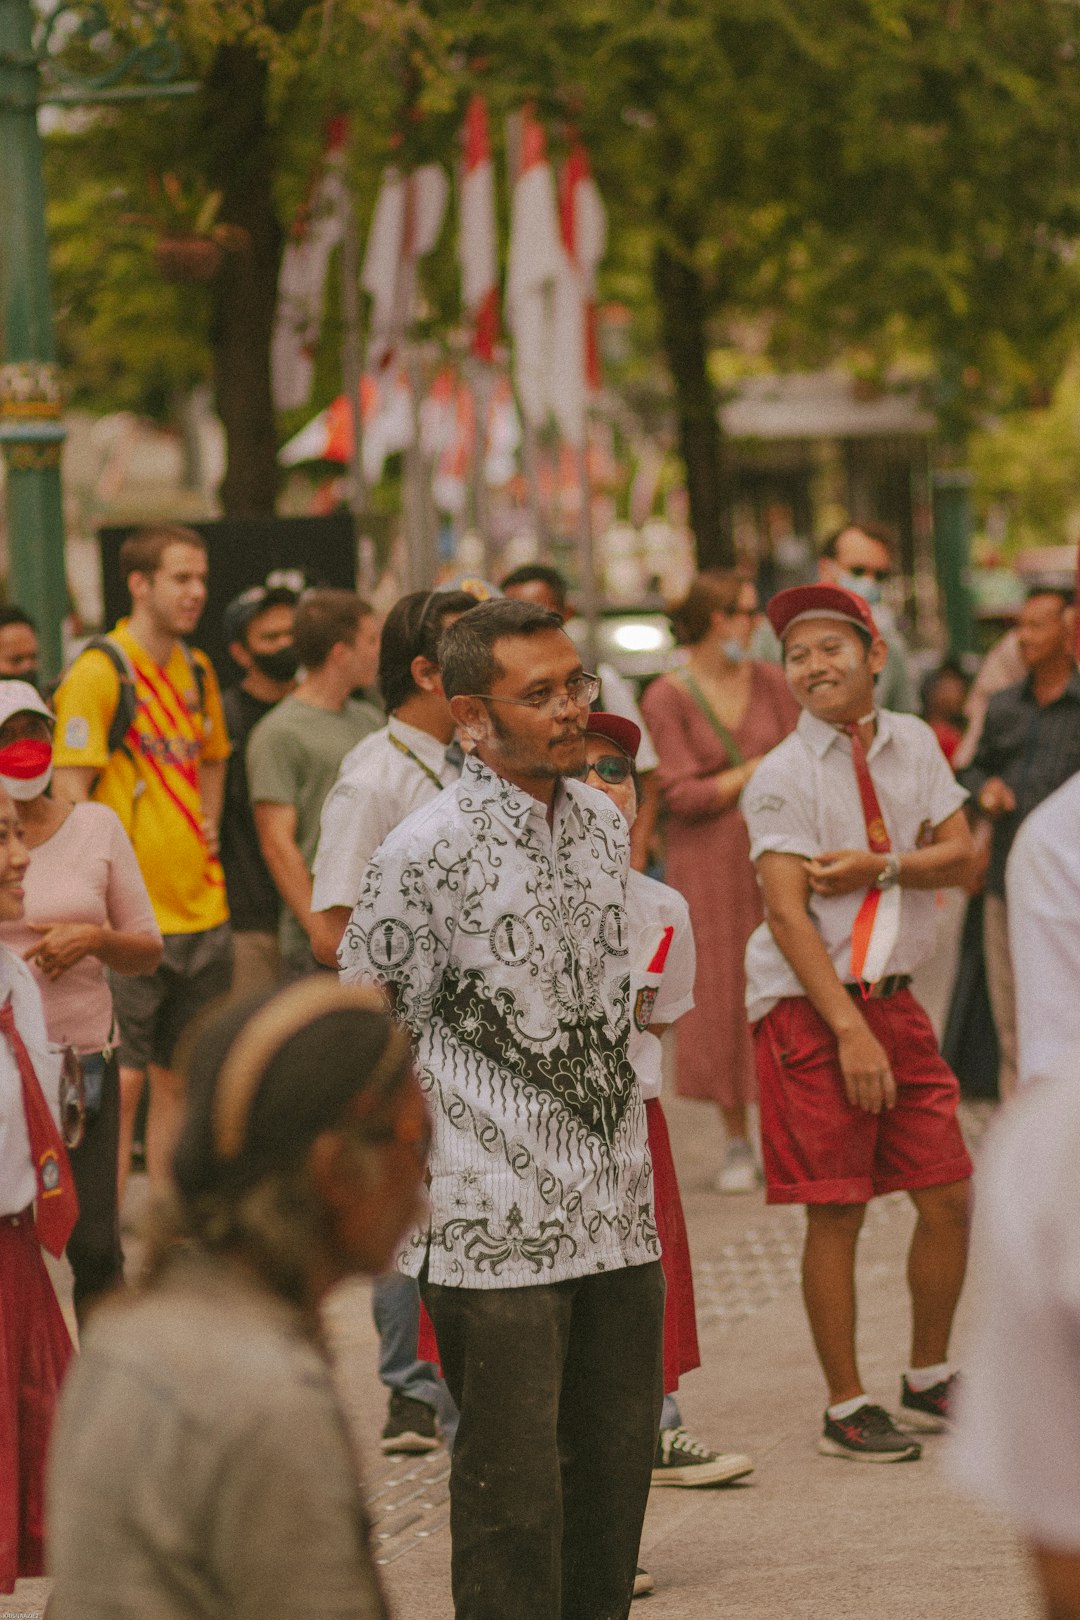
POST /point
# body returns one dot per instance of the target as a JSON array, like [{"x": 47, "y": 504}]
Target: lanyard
[{"x": 403, "y": 748}]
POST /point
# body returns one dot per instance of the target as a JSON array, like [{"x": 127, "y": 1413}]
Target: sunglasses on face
[
  {"x": 878, "y": 574},
  {"x": 610, "y": 768}
]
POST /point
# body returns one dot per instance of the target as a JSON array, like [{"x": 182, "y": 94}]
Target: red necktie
[
  {"x": 57, "y": 1206},
  {"x": 877, "y": 836}
]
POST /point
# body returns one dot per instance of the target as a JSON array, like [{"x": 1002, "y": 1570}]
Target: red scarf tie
[
  {"x": 877, "y": 836},
  {"x": 56, "y": 1207}
]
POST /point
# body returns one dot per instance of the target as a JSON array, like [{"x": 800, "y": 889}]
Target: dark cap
[
  {"x": 819, "y": 602},
  {"x": 250, "y": 603},
  {"x": 617, "y": 729}
]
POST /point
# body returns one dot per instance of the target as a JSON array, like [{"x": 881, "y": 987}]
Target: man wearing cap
[
  {"x": 259, "y": 636},
  {"x": 855, "y": 822}
]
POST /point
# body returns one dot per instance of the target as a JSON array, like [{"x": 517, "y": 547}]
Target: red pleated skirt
[
  {"x": 681, "y": 1353},
  {"x": 35, "y": 1348}
]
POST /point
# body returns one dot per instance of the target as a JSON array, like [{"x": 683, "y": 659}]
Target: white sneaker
[{"x": 739, "y": 1172}]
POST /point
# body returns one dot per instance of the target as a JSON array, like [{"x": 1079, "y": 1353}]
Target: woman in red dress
[{"x": 711, "y": 722}]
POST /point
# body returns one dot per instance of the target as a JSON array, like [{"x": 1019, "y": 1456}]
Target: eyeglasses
[
  {"x": 610, "y": 768},
  {"x": 578, "y": 693},
  {"x": 878, "y": 574}
]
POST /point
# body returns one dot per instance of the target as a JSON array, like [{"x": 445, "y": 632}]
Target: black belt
[{"x": 889, "y": 986}]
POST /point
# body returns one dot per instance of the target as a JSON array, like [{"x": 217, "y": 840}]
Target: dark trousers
[
  {"x": 97, "y": 1260},
  {"x": 559, "y": 1389}
]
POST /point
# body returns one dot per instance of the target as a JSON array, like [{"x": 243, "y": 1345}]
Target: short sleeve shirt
[
  {"x": 1017, "y": 1443},
  {"x": 505, "y": 944},
  {"x": 803, "y": 799},
  {"x": 153, "y": 782},
  {"x": 1043, "y": 888},
  {"x": 18, "y": 1181},
  {"x": 663, "y": 966}
]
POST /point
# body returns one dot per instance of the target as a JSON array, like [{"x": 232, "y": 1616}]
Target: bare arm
[
  {"x": 327, "y": 928},
  {"x": 75, "y": 783},
  {"x": 946, "y": 862},
  {"x": 275, "y": 825},
  {"x": 1059, "y": 1577},
  {"x": 212, "y": 794},
  {"x": 730, "y": 783},
  {"x": 63, "y": 944},
  {"x": 641, "y": 833},
  {"x": 785, "y": 883}
]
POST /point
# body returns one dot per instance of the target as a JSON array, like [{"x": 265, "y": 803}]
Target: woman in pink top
[
  {"x": 86, "y": 909},
  {"x": 711, "y": 722}
]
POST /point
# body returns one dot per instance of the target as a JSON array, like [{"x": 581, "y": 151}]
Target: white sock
[
  {"x": 844, "y": 1409},
  {"x": 924, "y": 1378}
]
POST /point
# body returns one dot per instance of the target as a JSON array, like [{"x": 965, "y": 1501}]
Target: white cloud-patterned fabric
[{"x": 505, "y": 944}]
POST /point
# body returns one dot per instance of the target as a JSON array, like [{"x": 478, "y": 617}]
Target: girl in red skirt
[{"x": 37, "y": 1206}]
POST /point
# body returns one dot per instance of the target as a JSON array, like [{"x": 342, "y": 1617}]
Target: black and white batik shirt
[{"x": 505, "y": 944}]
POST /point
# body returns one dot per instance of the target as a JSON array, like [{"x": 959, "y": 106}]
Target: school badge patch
[{"x": 644, "y": 1003}]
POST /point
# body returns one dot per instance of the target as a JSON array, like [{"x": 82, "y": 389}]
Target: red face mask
[{"x": 26, "y": 759}]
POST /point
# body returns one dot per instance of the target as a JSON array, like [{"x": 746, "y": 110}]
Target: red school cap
[
  {"x": 617, "y": 729},
  {"x": 819, "y": 602}
]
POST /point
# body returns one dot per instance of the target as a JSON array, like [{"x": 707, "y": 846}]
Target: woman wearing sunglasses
[{"x": 662, "y": 972}]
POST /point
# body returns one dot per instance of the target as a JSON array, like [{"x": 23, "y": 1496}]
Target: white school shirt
[
  {"x": 18, "y": 1180},
  {"x": 505, "y": 944},
  {"x": 1042, "y": 885},
  {"x": 1016, "y": 1446},
  {"x": 378, "y": 785},
  {"x": 663, "y": 965},
  {"x": 803, "y": 799}
]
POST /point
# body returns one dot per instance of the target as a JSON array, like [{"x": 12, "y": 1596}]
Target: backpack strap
[{"x": 124, "y": 714}]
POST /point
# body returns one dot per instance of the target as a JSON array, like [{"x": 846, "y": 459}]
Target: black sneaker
[
  {"x": 682, "y": 1460},
  {"x": 644, "y": 1585},
  {"x": 411, "y": 1426},
  {"x": 929, "y": 1409},
  {"x": 868, "y": 1435}
]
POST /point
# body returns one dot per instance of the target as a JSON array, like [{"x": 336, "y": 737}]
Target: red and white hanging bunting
[
  {"x": 535, "y": 260},
  {"x": 477, "y": 242},
  {"x": 409, "y": 212},
  {"x": 301, "y": 291},
  {"x": 575, "y": 369}
]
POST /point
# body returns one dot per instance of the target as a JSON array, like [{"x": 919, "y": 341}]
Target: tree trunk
[
  {"x": 242, "y": 168},
  {"x": 681, "y": 298}
]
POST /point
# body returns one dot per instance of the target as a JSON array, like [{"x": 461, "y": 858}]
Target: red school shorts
[{"x": 817, "y": 1147}]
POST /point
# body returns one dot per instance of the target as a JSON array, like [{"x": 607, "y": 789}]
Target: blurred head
[
  {"x": 19, "y": 651},
  {"x": 944, "y": 694},
  {"x": 539, "y": 584},
  {"x": 338, "y": 628},
  {"x": 719, "y": 610},
  {"x": 305, "y": 1143},
  {"x": 14, "y": 859},
  {"x": 409, "y": 648},
  {"x": 517, "y": 689},
  {"x": 166, "y": 571},
  {"x": 611, "y": 745},
  {"x": 259, "y": 625},
  {"x": 1045, "y": 630},
  {"x": 858, "y": 557},
  {"x": 26, "y": 733}
]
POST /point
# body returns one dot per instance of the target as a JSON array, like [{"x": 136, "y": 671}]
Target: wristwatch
[{"x": 889, "y": 875}]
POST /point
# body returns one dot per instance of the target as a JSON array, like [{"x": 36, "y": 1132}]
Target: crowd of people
[{"x": 388, "y": 912}]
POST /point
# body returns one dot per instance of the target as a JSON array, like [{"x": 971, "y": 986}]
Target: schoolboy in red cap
[{"x": 855, "y": 821}]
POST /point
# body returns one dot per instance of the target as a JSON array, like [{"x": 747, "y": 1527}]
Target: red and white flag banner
[
  {"x": 301, "y": 292},
  {"x": 575, "y": 368},
  {"x": 477, "y": 240},
  {"x": 409, "y": 213},
  {"x": 535, "y": 260}
]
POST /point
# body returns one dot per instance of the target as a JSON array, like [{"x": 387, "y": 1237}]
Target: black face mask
[{"x": 277, "y": 666}]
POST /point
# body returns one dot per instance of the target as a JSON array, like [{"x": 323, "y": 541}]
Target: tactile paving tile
[{"x": 409, "y": 1501}]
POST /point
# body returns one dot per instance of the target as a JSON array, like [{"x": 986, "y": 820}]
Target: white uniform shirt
[
  {"x": 660, "y": 933},
  {"x": 1017, "y": 1442},
  {"x": 803, "y": 799},
  {"x": 505, "y": 944},
  {"x": 18, "y": 1181},
  {"x": 378, "y": 785},
  {"x": 617, "y": 697},
  {"x": 1042, "y": 883}
]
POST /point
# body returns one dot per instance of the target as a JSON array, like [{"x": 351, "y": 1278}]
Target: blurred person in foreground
[
  {"x": 1030, "y": 745},
  {"x": 544, "y": 585},
  {"x": 496, "y": 918},
  {"x": 713, "y": 720},
  {"x": 295, "y": 751},
  {"x": 38, "y": 1208},
  {"x": 1017, "y": 1446},
  {"x": 1042, "y": 885},
  {"x": 855, "y": 820},
  {"x": 259, "y": 635},
  {"x": 202, "y": 1465},
  {"x": 20, "y": 654},
  {"x": 139, "y": 727},
  {"x": 86, "y": 911}
]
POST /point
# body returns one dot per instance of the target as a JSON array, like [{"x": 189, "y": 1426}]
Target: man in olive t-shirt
[{"x": 294, "y": 752}]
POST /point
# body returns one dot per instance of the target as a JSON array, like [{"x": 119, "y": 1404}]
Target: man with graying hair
[{"x": 496, "y": 919}]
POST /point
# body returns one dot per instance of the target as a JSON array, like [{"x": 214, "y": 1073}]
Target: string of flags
[{"x": 557, "y": 239}]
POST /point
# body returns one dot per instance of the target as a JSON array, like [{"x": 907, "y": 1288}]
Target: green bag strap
[{"x": 731, "y": 747}]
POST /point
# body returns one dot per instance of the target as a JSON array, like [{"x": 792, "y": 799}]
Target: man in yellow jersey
[{"x": 140, "y": 728}]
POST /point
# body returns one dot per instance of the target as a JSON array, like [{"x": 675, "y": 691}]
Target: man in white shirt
[
  {"x": 1042, "y": 882},
  {"x": 381, "y": 781},
  {"x": 1017, "y": 1446},
  {"x": 854, "y": 822},
  {"x": 496, "y": 918}
]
